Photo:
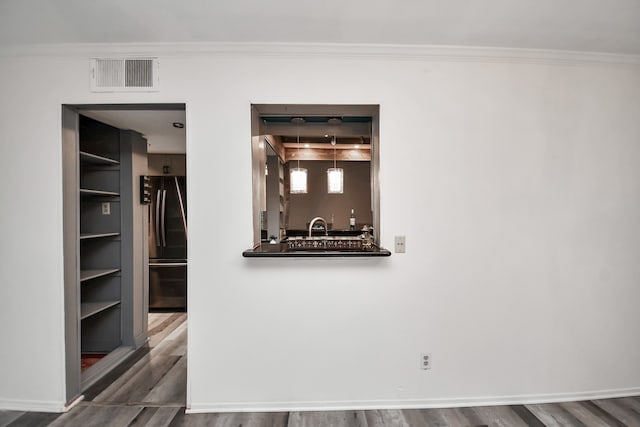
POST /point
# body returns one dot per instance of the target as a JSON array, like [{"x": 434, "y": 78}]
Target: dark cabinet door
[{"x": 168, "y": 286}]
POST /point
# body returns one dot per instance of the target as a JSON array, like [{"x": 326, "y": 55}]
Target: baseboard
[
  {"x": 32, "y": 405},
  {"x": 195, "y": 408},
  {"x": 104, "y": 366}
]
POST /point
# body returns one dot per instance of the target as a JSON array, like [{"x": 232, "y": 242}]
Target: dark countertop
[
  {"x": 280, "y": 250},
  {"x": 292, "y": 233}
]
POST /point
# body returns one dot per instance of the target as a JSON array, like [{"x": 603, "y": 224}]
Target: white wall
[{"x": 516, "y": 185}]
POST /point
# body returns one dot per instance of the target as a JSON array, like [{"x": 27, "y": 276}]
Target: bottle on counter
[{"x": 352, "y": 220}]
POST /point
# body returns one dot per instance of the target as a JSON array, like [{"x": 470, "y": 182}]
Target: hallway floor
[{"x": 150, "y": 390}]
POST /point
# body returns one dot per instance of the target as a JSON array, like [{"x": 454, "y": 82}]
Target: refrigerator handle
[
  {"x": 157, "y": 219},
  {"x": 184, "y": 216},
  {"x": 163, "y": 220}
]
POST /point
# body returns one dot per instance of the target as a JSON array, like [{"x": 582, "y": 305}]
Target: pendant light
[
  {"x": 335, "y": 175},
  {"x": 298, "y": 176}
]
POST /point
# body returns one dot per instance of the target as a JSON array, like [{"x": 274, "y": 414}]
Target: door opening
[{"x": 125, "y": 227}]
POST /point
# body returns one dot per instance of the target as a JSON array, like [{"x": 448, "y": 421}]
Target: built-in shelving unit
[
  {"x": 274, "y": 198},
  {"x": 100, "y": 238},
  {"x": 105, "y": 247}
]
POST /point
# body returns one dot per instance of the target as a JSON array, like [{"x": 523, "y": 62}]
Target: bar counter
[{"x": 281, "y": 250}]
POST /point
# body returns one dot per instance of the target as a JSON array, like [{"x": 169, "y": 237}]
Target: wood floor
[{"x": 150, "y": 390}]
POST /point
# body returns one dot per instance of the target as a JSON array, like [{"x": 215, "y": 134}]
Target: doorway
[{"x": 125, "y": 227}]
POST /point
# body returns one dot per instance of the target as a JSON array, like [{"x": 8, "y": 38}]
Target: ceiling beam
[
  {"x": 325, "y": 146},
  {"x": 344, "y": 130},
  {"x": 301, "y": 110},
  {"x": 318, "y": 154}
]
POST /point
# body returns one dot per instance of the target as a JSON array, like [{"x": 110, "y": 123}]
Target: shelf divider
[
  {"x": 97, "y": 160},
  {"x": 97, "y": 235},
  {"x": 92, "y": 274},
  {"x": 88, "y": 192},
  {"x": 88, "y": 309}
]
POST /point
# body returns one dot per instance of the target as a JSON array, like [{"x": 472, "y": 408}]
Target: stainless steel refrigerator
[{"x": 168, "y": 243}]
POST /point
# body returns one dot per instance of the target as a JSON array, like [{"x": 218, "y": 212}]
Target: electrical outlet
[
  {"x": 400, "y": 244},
  {"x": 106, "y": 208},
  {"x": 425, "y": 361}
]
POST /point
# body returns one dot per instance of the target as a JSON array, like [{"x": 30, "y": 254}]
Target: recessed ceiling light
[
  {"x": 356, "y": 146},
  {"x": 306, "y": 145},
  {"x": 178, "y": 125}
]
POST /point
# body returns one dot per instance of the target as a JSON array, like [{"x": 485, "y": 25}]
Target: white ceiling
[
  {"x": 611, "y": 26},
  {"x": 155, "y": 125}
]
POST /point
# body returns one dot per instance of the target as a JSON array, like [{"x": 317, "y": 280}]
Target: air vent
[{"x": 124, "y": 74}]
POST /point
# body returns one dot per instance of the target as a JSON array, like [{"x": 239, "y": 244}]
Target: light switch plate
[{"x": 400, "y": 244}]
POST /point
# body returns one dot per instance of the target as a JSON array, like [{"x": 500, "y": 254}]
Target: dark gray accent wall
[{"x": 317, "y": 202}]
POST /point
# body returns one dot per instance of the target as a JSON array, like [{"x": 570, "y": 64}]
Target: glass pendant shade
[
  {"x": 298, "y": 181},
  {"x": 335, "y": 180}
]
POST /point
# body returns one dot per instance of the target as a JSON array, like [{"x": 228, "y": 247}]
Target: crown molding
[{"x": 322, "y": 50}]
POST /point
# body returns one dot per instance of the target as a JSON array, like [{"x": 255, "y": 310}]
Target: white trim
[
  {"x": 297, "y": 50},
  {"x": 32, "y": 405},
  {"x": 196, "y": 408}
]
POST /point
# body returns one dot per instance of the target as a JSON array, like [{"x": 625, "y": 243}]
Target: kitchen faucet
[{"x": 313, "y": 221}]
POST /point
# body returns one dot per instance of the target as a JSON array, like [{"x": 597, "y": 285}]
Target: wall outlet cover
[{"x": 425, "y": 361}]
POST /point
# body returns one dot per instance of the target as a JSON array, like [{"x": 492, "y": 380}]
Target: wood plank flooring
[{"x": 149, "y": 389}]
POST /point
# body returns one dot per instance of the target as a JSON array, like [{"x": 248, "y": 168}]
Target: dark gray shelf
[
  {"x": 88, "y": 309},
  {"x": 93, "y": 274},
  {"x": 88, "y": 192},
  {"x": 97, "y": 235},
  {"x": 97, "y": 160}
]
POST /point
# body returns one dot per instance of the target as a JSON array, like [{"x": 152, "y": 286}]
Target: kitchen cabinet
[{"x": 167, "y": 164}]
